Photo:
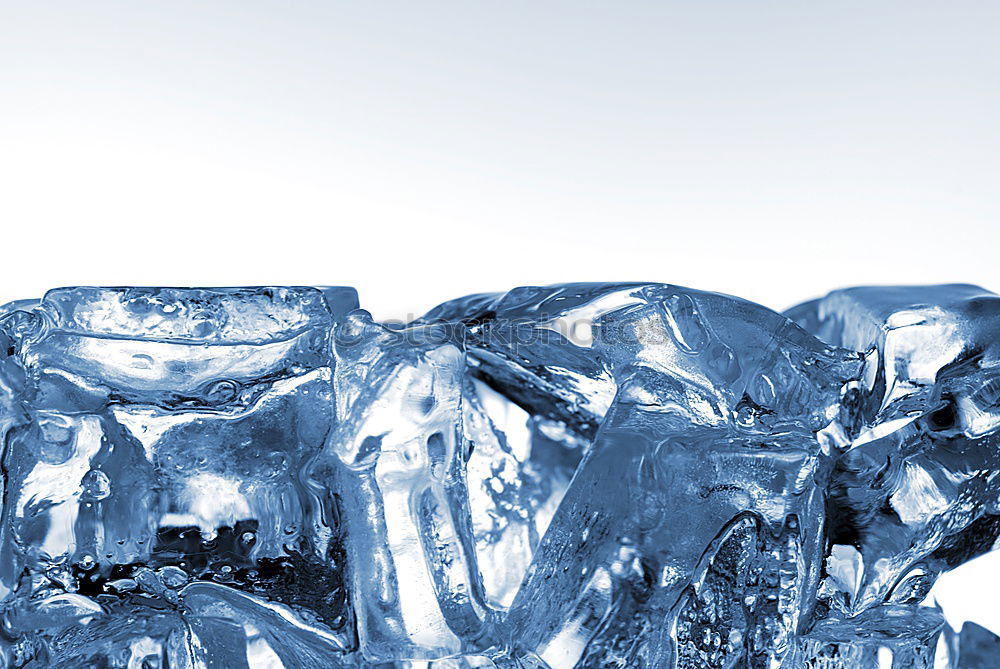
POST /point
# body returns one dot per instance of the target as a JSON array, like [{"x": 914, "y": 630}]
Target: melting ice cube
[
  {"x": 917, "y": 490},
  {"x": 159, "y": 429}
]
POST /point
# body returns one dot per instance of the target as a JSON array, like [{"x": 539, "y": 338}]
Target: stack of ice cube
[{"x": 626, "y": 475}]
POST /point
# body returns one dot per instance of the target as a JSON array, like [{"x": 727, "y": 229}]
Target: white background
[
  {"x": 422, "y": 150},
  {"x": 419, "y": 151}
]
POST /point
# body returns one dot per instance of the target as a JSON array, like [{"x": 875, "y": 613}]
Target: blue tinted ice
[
  {"x": 886, "y": 637},
  {"x": 628, "y": 475},
  {"x": 713, "y": 442},
  {"x": 977, "y": 648},
  {"x": 397, "y": 459},
  {"x": 916, "y": 492},
  {"x": 154, "y": 444}
]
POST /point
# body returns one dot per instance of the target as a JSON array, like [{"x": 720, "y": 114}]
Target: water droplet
[
  {"x": 142, "y": 361},
  {"x": 121, "y": 585},
  {"x": 221, "y": 392},
  {"x": 172, "y": 577},
  {"x": 96, "y": 485}
]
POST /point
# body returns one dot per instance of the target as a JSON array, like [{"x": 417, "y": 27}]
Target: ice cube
[
  {"x": 166, "y": 429},
  {"x": 398, "y": 457},
  {"x": 534, "y": 345},
  {"x": 537, "y": 392},
  {"x": 931, "y": 351},
  {"x": 916, "y": 492},
  {"x": 718, "y": 417}
]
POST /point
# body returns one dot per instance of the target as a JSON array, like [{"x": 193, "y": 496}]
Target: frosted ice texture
[{"x": 582, "y": 475}]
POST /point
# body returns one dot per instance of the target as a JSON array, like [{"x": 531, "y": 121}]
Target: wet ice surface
[
  {"x": 918, "y": 491},
  {"x": 583, "y": 475},
  {"x": 900, "y": 637},
  {"x": 154, "y": 500}
]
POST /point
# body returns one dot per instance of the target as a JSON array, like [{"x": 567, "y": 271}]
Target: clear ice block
[
  {"x": 534, "y": 345},
  {"x": 398, "y": 457},
  {"x": 537, "y": 391},
  {"x": 916, "y": 492},
  {"x": 722, "y": 416},
  {"x": 156, "y": 436},
  {"x": 519, "y": 467}
]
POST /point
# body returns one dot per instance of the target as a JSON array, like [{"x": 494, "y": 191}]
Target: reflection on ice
[{"x": 582, "y": 475}]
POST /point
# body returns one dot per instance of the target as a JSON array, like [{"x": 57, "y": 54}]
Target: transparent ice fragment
[
  {"x": 539, "y": 391},
  {"x": 978, "y": 648},
  {"x": 885, "y": 637},
  {"x": 916, "y": 491},
  {"x": 398, "y": 457},
  {"x": 930, "y": 349},
  {"x": 534, "y": 345},
  {"x": 717, "y": 417},
  {"x": 231, "y": 623},
  {"x": 633, "y": 528},
  {"x": 157, "y": 436},
  {"x": 518, "y": 470}
]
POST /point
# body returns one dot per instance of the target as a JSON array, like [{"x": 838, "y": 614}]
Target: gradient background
[{"x": 422, "y": 150}]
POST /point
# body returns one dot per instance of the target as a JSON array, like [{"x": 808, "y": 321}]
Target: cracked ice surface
[{"x": 581, "y": 475}]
